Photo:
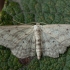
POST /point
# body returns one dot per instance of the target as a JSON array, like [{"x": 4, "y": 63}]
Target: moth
[{"x": 29, "y": 40}]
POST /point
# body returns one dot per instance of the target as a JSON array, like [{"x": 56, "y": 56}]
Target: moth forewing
[{"x": 13, "y": 35}]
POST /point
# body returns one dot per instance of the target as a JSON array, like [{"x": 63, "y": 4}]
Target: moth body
[{"x": 37, "y": 31}]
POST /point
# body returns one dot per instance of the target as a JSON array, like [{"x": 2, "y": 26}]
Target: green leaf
[{"x": 48, "y": 11}]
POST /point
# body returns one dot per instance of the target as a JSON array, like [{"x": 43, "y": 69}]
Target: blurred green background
[{"x": 25, "y": 12}]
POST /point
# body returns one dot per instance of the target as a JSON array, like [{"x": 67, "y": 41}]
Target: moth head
[{"x": 36, "y": 27}]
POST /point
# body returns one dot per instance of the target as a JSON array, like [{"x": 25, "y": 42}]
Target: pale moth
[{"x": 27, "y": 40}]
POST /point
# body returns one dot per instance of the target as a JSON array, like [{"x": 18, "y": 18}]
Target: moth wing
[
  {"x": 20, "y": 39},
  {"x": 55, "y": 39}
]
